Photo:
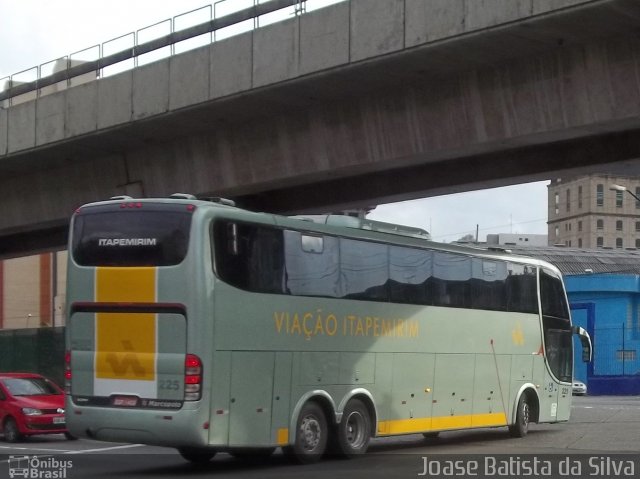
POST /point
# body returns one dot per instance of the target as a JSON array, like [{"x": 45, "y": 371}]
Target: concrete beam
[
  {"x": 81, "y": 109},
  {"x": 4, "y": 127},
  {"x": 50, "y": 118},
  {"x": 21, "y": 121},
  {"x": 151, "y": 90},
  {"x": 115, "y": 100},
  {"x": 324, "y": 39},
  {"x": 276, "y": 49},
  {"x": 231, "y": 66},
  {"x": 189, "y": 78},
  {"x": 377, "y": 28}
]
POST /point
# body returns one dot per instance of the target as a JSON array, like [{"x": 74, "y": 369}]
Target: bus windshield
[{"x": 122, "y": 237}]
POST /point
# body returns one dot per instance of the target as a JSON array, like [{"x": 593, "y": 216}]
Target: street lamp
[{"x": 623, "y": 188}]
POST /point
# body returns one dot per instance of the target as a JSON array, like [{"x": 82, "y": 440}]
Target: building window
[
  {"x": 626, "y": 354},
  {"x": 638, "y": 226},
  {"x": 600, "y": 195},
  {"x": 638, "y": 195},
  {"x": 619, "y": 243},
  {"x": 579, "y": 225},
  {"x": 557, "y": 200},
  {"x": 619, "y": 225},
  {"x": 579, "y": 197},
  {"x": 568, "y": 200},
  {"x": 638, "y": 243},
  {"x": 579, "y": 242},
  {"x": 600, "y": 242},
  {"x": 600, "y": 224},
  {"x": 557, "y": 231},
  {"x": 619, "y": 199}
]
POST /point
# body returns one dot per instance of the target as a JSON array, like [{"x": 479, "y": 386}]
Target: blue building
[
  {"x": 603, "y": 287},
  {"x": 606, "y": 305}
]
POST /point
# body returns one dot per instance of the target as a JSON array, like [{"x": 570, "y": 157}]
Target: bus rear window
[{"x": 151, "y": 237}]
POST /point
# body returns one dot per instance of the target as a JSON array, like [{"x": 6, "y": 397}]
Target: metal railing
[{"x": 174, "y": 35}]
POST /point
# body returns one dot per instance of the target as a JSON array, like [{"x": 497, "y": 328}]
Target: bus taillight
[
  {"x": 67, "y": 372},
  {"x": 192, "y": 378}
]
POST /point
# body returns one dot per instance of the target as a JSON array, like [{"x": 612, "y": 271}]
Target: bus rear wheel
[
  {"x": 523, "y": 417},
  {"x": 310, "y": 442},
  {"x": 354, "y": 431}
]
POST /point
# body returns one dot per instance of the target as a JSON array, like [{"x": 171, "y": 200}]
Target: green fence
[{"x": 37, "y": 350}]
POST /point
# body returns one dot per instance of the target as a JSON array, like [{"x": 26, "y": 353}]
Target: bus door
[{"x": 558, "y": 345}]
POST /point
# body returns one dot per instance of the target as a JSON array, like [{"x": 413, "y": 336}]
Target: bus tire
[
  {"x": 523, "y": 416},
  {"x": 354, "y": 431},
  {"x": 197, "y": 455},
  {"x": 11, "y": 431},
  {"x": 310, "y": 441}
]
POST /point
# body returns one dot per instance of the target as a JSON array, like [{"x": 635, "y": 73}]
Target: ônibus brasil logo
[{"x": 33, "y": 467}]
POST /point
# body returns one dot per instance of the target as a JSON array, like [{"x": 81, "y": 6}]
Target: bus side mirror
[{"x": 585, "y": 340}]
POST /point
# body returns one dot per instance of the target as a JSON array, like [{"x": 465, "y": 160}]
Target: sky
[{"x": 35, "y": 32}]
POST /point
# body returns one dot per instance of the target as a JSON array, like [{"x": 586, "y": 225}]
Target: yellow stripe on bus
[
  {"x": 426, "y": 424},
  {"x": 126, "y": 285},
  {"x": 126, "y": 342}
]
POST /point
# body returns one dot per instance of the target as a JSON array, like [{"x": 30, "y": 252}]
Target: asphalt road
[{"x": 600, "y": 428}]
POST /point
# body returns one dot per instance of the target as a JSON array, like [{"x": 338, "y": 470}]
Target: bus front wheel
[
  {"x": 523, "y": 416},
  {"x": 354, "y": 431},
  {"x": 311, "y": 435}
]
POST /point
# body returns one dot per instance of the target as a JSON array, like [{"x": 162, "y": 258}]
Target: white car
[{"x": 579, "y": 388}]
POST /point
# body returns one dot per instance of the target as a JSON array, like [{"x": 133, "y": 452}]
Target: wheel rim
[
  {"x": 355, "y": 433},
  {"x": 310, "y": 433}
]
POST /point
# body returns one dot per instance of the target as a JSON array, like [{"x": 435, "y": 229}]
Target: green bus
[{"x": 198, "y": 325}]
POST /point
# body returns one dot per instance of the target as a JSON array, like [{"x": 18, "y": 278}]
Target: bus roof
[{"x": 340, "y": 225}]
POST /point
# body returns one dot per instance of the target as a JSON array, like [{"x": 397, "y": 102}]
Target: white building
[{"x": 515, "y": 239}]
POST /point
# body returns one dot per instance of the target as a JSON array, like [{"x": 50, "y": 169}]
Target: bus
[{"x": 204, "y": 327}]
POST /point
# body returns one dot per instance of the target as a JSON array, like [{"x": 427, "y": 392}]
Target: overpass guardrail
[{"x": 175, "y": 35}]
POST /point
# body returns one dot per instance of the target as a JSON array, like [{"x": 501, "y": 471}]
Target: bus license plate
[{"x": 126, "y": 401}]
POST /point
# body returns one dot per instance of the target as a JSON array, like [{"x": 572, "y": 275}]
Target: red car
[{"x": 30, "y": 404}]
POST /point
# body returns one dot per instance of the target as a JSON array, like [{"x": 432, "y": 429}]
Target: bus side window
[
  {"x": 452, "y": 274},
  {"x": 312, "y": 244},
  {"x": 311, "y": 264},
  {"x": 410, "y": 271},
  {"x": 265, "y": 260},
  {"x": 364, "y": 270}
]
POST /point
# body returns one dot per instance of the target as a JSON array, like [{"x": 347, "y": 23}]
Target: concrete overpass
[{"x": 362, "y": 102}]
